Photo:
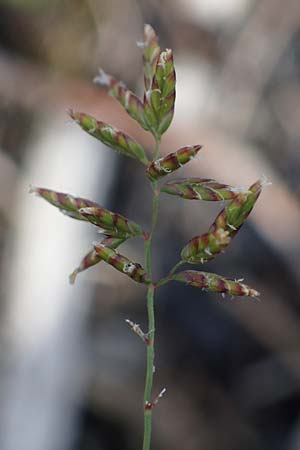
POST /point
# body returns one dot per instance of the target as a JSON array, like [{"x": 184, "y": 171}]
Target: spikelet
[
  {"x": 164, "y": 81},
  {"x": 113, "y": 224},
  {"x": 215, "y": 283},
  {"x": 163, "y": 166},
  {"x": 201, "y": 189},
  {"x": 66, "y": 203},
  {"x": 205, "y": 247},
  {"x": 234, "y": 215},
  {"x": 130, "y": 102},
  {"x": 122, "y": 264},
  {"x": 151, "y": 52},
  {"x": 92, "y": 257},
  {"x": 110, "y": 136},
  {"x": 159, "y": 100}
]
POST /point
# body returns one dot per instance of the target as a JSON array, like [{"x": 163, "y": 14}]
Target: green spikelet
[
  {"x": 110, "y": 136},
  {"x": 205, "y": 247},
  {"x": 122, "y": 264},
  {"x": 235, "y": 214},
  {"x": 163, "y": 166},
  {"x": 66, "y": 203},
  {"x": 215, "y": 283},
  {"x": 159, "y": 100},
  {"x": 113, "y": 224},
  {"x": 200, "y": 189},
  {"x": 93, "y": 257},
  {"x": 164, "y": 81}
]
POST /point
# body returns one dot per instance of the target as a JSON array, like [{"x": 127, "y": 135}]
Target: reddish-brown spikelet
[
  {"x": 89, "y": 260},
  {"x": 111, "y": 136},
  {"x": 215, "y": 283},
  {"x": 114, "y": 224},
  {"x": 205, "y": 247},
  {"x": 163, "y": 166},
  {"x": 66, "y": 203},
  {"x": 93, "y": 257},
  {"x": 201, "y": 189},
  {"x": 130, "y": 102},
  {"x": 122, "y": 264},
  {"x": 151, "y": 51}
]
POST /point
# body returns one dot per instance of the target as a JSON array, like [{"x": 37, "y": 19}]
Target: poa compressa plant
[{"x": 155, "y": 114}]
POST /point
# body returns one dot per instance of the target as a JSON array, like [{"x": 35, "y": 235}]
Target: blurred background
[{"x": 71, "y": 372}]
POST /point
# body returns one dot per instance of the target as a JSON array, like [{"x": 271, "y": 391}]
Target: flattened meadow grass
[{"x": 154, "y": 113}]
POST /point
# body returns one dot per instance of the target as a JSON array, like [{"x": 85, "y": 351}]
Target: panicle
[
  {"x": 122, "y": 264},
  {"x": 163, "y": 166},
  {"x": 215, "y": 283},
  {"x": 111, "y": 136}
]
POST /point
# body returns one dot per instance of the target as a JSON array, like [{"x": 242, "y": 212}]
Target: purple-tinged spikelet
[
  {"x": 122, "y": 264},
  {"x": 205, "y": 247},
  {"x": 201, "y": 189},
  {"x": 151, "y": 51},
  {"x": 93, "y": 257},
  {"x": 114, "y": 224},
  {"x": 163, "y": 166},
  {"x": 130, "y": 102},
  {"x": 90, "y": 259},
  {"x": 215, "y": 283},
  {"x": 111, "y": 136},
  {"x": 66, "y": 203}
]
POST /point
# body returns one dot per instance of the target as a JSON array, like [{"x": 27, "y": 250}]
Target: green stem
[
  {"x": 157, "y": 148},
  {"x": 168, "y": 278},
  {"x": 150, "y": 369},
  {"x": 151, "y": 321}
]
